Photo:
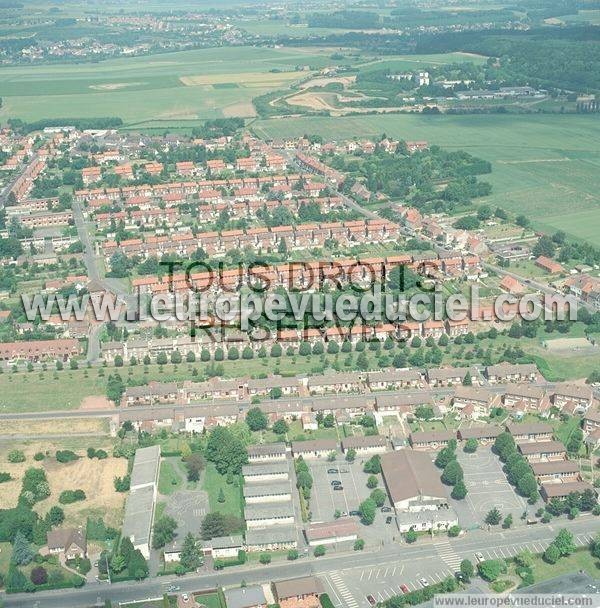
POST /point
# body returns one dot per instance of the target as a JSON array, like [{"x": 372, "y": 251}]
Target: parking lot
[
  {"x": 487, "y": 488},
  {"x": 325, "y": 500}
]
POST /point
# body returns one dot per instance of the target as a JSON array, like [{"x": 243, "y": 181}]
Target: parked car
[
  {"x": 332, "y": 471},
  {"x": 336, "y": 482},
  {"x": 404, "y": 588},
  {"x": 479, "y": 556},
  {"x": 185, "y": 598},
  {"x": 354, "y": 513},
  {"x": 388, "y": 519},
  {"x": 424, "y": 582},
  {"x": 344, "y": 471},
  {"x": 371, "y": 600},
  {"x": 338, "y": 487},
  {"x": 386, "y": 509}
]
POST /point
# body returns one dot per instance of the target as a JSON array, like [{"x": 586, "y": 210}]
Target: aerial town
[{"x": 311, "y": 352}]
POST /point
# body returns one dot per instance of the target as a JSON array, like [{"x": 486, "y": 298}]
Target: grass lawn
[
  {"x": 297, "y": 434},
  {"x": 563, "y": 430},
  {"x": 213, "y": 482},
  {"x": 210, "y": 600},
  {"x": 580, "y": 560},
  {"x": 157, "y": 88},
  {"x": 169, "y": 480},
  {"x": 5, "y": 553}
]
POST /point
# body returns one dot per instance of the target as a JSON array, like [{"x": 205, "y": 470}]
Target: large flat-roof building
[
  {"x": 145, "y": 467},
  {"x": 139, "y": 508},
  {"x": 412, "y": 481},
  {"x": 137, "y": 523},
  {"x": 264, "y": 515}
]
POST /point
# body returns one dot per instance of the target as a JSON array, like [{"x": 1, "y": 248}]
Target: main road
[{"x": 403, "y": 556}]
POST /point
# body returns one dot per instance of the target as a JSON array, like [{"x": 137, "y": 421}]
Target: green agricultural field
[
  {"x": 170, "y": 86},
  {"x": 546, "y": 166}
]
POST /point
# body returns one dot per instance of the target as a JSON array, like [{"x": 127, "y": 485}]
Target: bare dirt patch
[
  {"x": 243, "y": 78},
  {"x": 75, "y": 426},
  {"x": 243, "y": 109},
  {"x": 323, "y": 82},
  {"x": 114, "y": 86},
  {"x": 95, "y": 478},
  {"x": 96, "y": 402}
]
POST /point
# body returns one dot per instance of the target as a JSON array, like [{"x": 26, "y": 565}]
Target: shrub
[
  {"x": 39, "y": 576},
  {"x": 70, "y": 496},
  {"x": 16, "y": 456},
  {"x": 66, "y": 456}
]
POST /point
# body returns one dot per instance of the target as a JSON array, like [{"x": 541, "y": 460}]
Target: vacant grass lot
[
  {"x": 546, "y": 166},
  {"x": 94, "y": 477},
  {"x": 213, "y": 482},
  {"x": 139, "y": 89}
]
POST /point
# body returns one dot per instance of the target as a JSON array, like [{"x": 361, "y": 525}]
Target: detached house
[{"x": 68, "y": 541}]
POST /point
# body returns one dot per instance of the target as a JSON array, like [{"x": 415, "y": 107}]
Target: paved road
[{"x": 425, "y": 554}]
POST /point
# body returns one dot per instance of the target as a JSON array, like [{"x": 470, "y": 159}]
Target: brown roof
[
  {"x": 529, "y": 428},
  {"x": 63, "y": 538},
  {"x": 552, "y": 490},
  {"x": 332, "y": 529},
  {"x": 541, "y": 447},
  {"x": 480, "y": 432},
  {"x": 314, "y": 445},
  {"x": 529, "y": 391},
  {"x": 431, "y": 436},
  {"x": 469, "y": 393},
  {"x": 297, "y": 587},
  {"x": 368, "y": 441},
  {"x": 574, "y": 391},
  {"x": 410, "y": 474},
  {"x": 555, "y": 466}
]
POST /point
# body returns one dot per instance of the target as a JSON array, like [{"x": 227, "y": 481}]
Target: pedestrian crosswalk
[
  {"x": 447, "y": 553},
  {"x": 343, "y": 591}
]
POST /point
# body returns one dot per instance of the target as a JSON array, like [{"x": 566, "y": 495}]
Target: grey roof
[
  {"x": 267, "y": 489},
  {"x": 271, "y": 468},
  {"x": 285, "y": 406},
  {"x": 333, "y": 379},
  {"x": 268, "y": 536},
  {"x": 404, "y": 400},
  {"x": 343, "y": 402},
  {"x": 272, "y": 382},
  {"x": 314, "y": 445},
  {"x": 268, "y": 511},
  {"x": 245, "y": 597},
  {"x": 394, "y": 375},
  {"x": 225, "y": 542},
  {"x": 267, "y": 449},
  {"x": 137, "y": 523},
  {"x": 431, "y": 436},
  {"x": 145, "y": 466},
  {"x": 367, "y": 441},
  {"x": 433, "y": 516},
  {"x": 411, "y": 474}
]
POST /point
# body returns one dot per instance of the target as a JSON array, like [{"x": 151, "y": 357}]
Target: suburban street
[{"x": 349, "y": 577}]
